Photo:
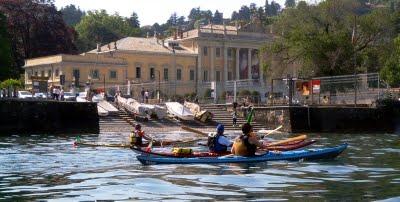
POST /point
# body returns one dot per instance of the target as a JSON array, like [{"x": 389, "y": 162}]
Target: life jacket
[
  {"x": 214, "y": 145},
  {"x": 243, "y": 146},
  {"x": 136, "y": 137}
]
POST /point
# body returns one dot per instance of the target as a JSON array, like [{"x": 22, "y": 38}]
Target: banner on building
[
  {"x": 316, "y": 86},
  {"x": 255, "y": 65},
  {"x": 243, "y": 64}
]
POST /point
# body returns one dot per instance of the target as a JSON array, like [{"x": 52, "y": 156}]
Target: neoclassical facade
[{"x": 185, "y": 63}]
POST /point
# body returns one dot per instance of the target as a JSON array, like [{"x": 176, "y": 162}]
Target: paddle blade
[{"x": 150, "y": 146}]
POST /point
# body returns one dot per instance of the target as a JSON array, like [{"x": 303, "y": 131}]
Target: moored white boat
[
  {"x": 180, "y": 111},
  {"x": 101, "y": 111},
  {"x": 140, "y": 109},
  {"x": 160, "y": 111},
  {"x": 108, "y": 107}
]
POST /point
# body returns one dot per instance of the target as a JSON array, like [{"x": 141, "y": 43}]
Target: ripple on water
[{"x": 246, "y": 180}]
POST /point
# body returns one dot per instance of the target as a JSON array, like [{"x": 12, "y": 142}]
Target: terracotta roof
[{"x": 143, "y": 45}]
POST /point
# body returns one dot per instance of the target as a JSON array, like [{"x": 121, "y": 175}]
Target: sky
[{"x": 152, "y": 11}]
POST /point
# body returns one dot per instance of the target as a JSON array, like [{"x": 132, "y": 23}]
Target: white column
[
  {"x": 212, "y": 63},
  {"x": 261, "y": 70},
  {"x": 199, "y": 65},
  {"x": 225, "y": 64},
  {"x": 237, "y": 64},
  {"x": 249, "y": 63}
]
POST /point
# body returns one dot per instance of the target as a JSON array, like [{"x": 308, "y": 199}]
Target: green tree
[
  {"x": 134, "y": 20},
  {"x": 36, "y": 29},
  {"x": 100, "y": 27},
  {"x": 5, "y": 50},
  {"x": 173, "y": 20},
  {"x": 244, "y": 13},
  {"x": 319, "y": 38},
  {"x": 391, "y": 71},
  {"x": 218, "y": 18},
  {"x": 275, "y": 8},
  {"x": 290, "y": 3},
  {"x": 195, "y": 14},
  {"x": 72, "y": 15}
]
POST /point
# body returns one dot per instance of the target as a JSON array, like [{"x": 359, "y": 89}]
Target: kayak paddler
[
  {"x": 137, "y": 135},
  {"x": 247, "y": 143},
  {"x": 217, "y": 142}
]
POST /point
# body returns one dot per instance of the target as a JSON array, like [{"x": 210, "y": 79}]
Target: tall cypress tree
[{"x": 5, "y": 50}]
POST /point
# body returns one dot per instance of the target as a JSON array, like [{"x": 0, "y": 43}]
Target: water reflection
[{"x": 48, "y": 167}]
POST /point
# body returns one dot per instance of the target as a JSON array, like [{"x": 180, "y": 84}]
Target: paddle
[
  {"x": 189, "y": 129},
  {"x": 270, "y": 132}
]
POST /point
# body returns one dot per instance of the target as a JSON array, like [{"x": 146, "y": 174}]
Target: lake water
[{"x": 50, "y": 168}]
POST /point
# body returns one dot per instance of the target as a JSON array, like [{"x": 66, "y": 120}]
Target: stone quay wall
[
  {"x": 331, "y": 119},
  {"x": 47, "y": 117}
]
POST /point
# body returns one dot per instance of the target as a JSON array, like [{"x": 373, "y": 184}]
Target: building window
[
  {"x": 165, "y": 74},
  {"x": 152, "y": 76},
  {"x": 138, "y": 72},
  {"x": 42, "y": 73},
  {"x": 178, "y": 74},
  {"x": 113, "y": 74},
  {"x": 57, "y": 72},
  {"x": 205, "y": 75},
  {"x": 76, "y": 73},
  {"x": 36, "y": 73},
  {"x": 94, "y": 74},
  {"x": 218, "y": 76},
  {"x": 191, "y": 75},
  {"x": 229, "y": 76},
  {"x": 230, "y": 53},
  {"x": 49, "y": 73},
  {"x": 218, "y": 52},
  {"x": 205, "y": 51}
]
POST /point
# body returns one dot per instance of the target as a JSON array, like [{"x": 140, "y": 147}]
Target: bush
[
  {"x": 255, "y": 96},
  {"x": 190, "y": 96},
  {"x": 11, "y": 83},
  {"x": 223, "y": 95},
  {"x": 244, "y": 93},
  {"x": 177, "y": 98},
  {"x": 207, "y": 93}
]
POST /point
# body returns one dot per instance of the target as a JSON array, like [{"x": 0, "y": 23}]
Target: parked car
[
  {"x": 69, "y": 96},
  {"x": 24, "y": 94},
  {"x": 40, "y": 95}
]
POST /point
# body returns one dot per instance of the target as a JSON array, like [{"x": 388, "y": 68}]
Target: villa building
[{"x": 211, "y": 56}]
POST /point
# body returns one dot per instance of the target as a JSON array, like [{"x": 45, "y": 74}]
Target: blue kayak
[{"x": 149, "y": 158}]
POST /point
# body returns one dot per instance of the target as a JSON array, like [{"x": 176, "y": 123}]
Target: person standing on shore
[
  {"x": 234, "y": 118},
  {"x": 62, "y": 94},
  {"x": 146, "y": 95},
  {"x": 57, "y": 93},
  {"x": 142, "y": 93}
]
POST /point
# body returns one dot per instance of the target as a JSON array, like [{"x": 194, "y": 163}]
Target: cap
[{"x": 220, "y": 127}]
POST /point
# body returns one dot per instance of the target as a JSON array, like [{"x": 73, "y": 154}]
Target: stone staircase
[
  {"x": 121, "y": 122},
  {"x": 222, "y": 116}
]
